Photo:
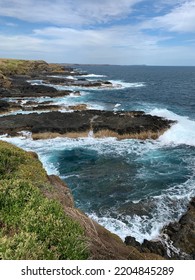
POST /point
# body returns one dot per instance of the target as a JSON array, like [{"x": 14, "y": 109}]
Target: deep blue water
[
  {"x": 170, "y": 87},
  {"x": 132, "y": 187}
]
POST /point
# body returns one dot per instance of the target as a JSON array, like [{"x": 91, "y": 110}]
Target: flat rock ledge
[{"x": 93, "y": 123}]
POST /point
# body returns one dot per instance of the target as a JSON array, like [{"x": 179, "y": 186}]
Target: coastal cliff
[
  {"x": 37, "y": 210},
  {"x": 39, "y": 219}
]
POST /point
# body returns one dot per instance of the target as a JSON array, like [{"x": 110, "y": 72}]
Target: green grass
[
  {"x": 31, "y": 225},
  {"x": 13, "y": 66},
  {"x": 9, "y": 67}
]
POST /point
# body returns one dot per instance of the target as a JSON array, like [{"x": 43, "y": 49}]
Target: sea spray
[{"x": 182, "y": 132}]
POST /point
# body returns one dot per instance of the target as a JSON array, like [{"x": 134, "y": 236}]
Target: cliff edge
[{"x": 39, "y": 219}]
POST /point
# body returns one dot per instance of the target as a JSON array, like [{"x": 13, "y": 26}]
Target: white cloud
[
  {"x": 67, "y": 12},
  {"x": 113, "y": 37},
  {"x": 100, "y": 46},
  {"x": 180, "y": 19},
  {"x": 115, "y": 45},
  {"x": 15, "y": 43},
  {"x": 11, "y": 24},
  {"x": 78, "y": 40}
]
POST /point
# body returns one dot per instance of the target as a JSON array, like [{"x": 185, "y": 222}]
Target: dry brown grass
[
  {"x": 142, "y": 136},
  {"x": 50, "y": 135},
  {"x": 101, "y": 134},
  {"x": 4, "y": 60}
]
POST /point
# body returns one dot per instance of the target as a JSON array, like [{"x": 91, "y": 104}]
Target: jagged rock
[
  {"x": 4, "y": 105},
  {"x": 80, "y": 82},
  {"x": 131, "y": 241},
  {"x": 177, "y": 240},
  {"x": 119, "y": 123},
  {"x": 182, "y": 233},
  {"x": 25, "y": 89},
  {"x": 56, "y": 81},
  {"x": 147, "y": 246},
  {"x": 42, "y": 108},
  {"x": 4, "y": 81}
]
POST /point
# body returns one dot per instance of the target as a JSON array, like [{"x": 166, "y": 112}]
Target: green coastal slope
[
  {"x": 9, "y": 67},
  {"x": 38, "y": 219},
  {"x": 31, "y": 225}
]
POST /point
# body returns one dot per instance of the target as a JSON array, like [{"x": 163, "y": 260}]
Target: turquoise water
[{"x": 131, "y": 187}]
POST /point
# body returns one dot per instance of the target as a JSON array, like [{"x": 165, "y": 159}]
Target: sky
[{"x": 124, "y": 32}]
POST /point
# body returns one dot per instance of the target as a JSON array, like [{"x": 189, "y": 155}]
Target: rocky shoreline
[
  {"x": 81, "y": 123},
  {"x": 14, "y": 96},
  {"x": 178, "y": 239}
]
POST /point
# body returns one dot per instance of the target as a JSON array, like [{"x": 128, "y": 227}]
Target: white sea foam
[
  {"x": 91, "y": 88},
  {"x": 117, "y": 84},
  {"x": 183, "y": 132},
  {"x": 95, "y": 106},
  {"x": 71, "y": 78},
  {"x": 167, "y": 207},
  {"x": 120, "y": 84},
  {"x": 35, "y": 82},
  {"x": 136, "y": 226},
  {"x": 91, "y": 76},
  {"x": 114, "y": 225},
  {"x": 116, "y": 106},
  {"x": 63, "y": 77},
  {"x": 21, "y": 112}
]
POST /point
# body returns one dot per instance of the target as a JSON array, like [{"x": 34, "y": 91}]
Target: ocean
[{"x": 131, "y": 187}]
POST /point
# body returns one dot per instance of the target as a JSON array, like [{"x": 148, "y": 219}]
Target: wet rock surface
[
  {"x": 182, "y": 233},
  {"x": 24, "y": 89},
  {"x": 82, "y": 121},
  {"x": 80, "y": 82}
]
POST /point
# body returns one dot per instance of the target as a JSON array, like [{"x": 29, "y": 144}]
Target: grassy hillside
[
  {"x": 25, "y": 67},
  {"x": 31, "y": 225}
]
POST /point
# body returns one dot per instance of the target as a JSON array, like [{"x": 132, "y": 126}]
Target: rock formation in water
[{"x": 80, "y": 123}]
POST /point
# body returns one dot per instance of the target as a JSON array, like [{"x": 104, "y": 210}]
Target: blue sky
[{"x": 99, "y": 31}]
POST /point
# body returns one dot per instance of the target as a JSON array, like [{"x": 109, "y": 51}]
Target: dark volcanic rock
[
  {"x": 83, "y": 121},
  {"x": 8, "y": 106},
  {"x": 57, "y": 81},
  {"x": 4, "y": 81},
  {"x": 81, "y": 82},
  {"x": 182, "y": 234},
  {"x": 4, "y": 105},
  {"x": 129, "y": 123},
  {"x": 24, "y": 89},
  {"x": 131, "y": 241}
]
